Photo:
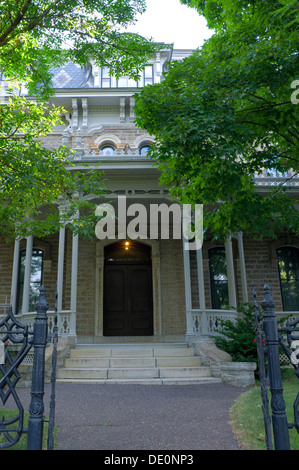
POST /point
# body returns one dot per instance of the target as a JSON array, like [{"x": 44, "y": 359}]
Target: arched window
[
  {"x": 144, "y": 149},
  {"x": 35, "y": 278},
  {"x": 288, "y": 267},
  {"x": 127, "y": 252},
  {"x": 107, "y": 150},
  {"x": 218, "y": 278}
]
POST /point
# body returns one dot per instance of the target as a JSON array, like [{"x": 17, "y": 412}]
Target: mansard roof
[{"x": 72, "y": 75}]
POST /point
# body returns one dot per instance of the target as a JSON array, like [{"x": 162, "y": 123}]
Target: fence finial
[
  {"x": 42, "y": 303},
  {"x": 267, "y": 303}
]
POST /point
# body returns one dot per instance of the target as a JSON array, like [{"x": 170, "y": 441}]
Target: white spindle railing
[
  {"x": 213, "y": 319},
  {"x": 63, "y": 320}
]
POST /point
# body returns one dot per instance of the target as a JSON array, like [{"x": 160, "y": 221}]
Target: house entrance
[{"x": 128, "y": 296}]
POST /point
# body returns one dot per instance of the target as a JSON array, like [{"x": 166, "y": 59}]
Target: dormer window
[
  {"x": 107, "y": 81},
  {"x": 126, "y": 82},
  {"x": 105, "y": 78},
  {"x": 148, "y": 75}
]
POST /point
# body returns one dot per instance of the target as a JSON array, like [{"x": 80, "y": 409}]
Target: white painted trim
[
  {"x": 27, "y": 273},
  {"x": 230, "y": 273}
]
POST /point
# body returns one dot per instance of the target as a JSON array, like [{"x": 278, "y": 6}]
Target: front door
[{"x": 128, "y": 298}]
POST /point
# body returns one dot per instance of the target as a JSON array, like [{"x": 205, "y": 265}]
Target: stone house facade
[{"x": 160, "y": 292}]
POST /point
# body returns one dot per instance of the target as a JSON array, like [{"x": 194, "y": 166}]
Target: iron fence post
[
  {"x": 279, "y": 418},
  {"x": 53, "y": 381},
  {"x": 36, "y": 409},
  {"x": 262, "y": 373}
]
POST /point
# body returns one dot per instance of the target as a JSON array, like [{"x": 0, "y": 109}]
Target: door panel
[
  {"x": 115, "y": 283},
  {"x": 128, "y": 309},
  {"x": 141, "y": 309}
]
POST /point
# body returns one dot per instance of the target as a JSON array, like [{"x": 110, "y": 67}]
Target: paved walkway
[{"x": 137, "y": 417}]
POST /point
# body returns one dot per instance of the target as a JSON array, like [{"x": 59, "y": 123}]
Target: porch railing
[
  {"x": 64, "y": 320},
  {"x": 213, "y": 318}
]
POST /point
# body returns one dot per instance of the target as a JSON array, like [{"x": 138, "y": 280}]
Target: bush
[{"x": 238, "y": 337}]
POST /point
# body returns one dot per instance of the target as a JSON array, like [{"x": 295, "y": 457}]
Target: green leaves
[
  {"x": 33, "y": 178},
  {"x": 35, "y": 36},
  {"x": 38, "y": 34},
  {"x": 238, "y": 338},
  {"x": 224, "y": 114}
]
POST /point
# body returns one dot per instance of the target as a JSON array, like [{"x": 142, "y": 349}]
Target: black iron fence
[
  {"x": 269, "y": 339},
  {"x": 13, "y": 333}
]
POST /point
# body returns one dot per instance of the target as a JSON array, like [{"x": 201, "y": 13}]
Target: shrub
[{"x": 237, "y": 338}]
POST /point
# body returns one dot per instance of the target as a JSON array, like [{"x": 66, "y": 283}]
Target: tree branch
[
  {"x": 261, "y": 125},
  {"x": 16, "y": 22}
]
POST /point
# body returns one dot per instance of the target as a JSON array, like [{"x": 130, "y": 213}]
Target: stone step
[
  {"x": 106, "y": 362},
  {"x": 134, "y": 363},
  {"x": 175, "y": 372},
  {"x": 133, "y": 373},
  {"x": 132, "y": 352},
  {"x": 130, "y": 345},
  {"x": 144, "y": 381}
]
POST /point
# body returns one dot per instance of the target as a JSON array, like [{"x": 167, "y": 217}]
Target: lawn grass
[
  {"x": 22, "y": 443},
  {"x": 247, "y": 416}
]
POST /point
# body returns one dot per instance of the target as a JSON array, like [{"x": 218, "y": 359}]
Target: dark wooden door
[{"x": 128, "y": 301}]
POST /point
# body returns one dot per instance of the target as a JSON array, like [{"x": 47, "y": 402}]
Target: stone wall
[
  {"x": 172, "y": 287},
  {"x": 261, "y": 268}
]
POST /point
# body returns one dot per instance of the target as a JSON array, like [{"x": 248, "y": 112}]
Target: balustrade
[{"x": 215, "y": 317}]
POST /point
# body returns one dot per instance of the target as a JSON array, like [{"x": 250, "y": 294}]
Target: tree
[
  {"x": 35, "y": 36},
  {"x": 224, "y": 114},
  {"x": 33, "y": 179}
]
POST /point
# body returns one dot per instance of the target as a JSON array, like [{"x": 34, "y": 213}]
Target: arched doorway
[{"x": 128, "y": 293}]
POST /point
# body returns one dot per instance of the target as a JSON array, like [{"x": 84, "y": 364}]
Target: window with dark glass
[
  {"x": 218, "y": 278},
  {"x": 35, "y": 278},
  {"x": 127, "y": 252},
  {"x": 288, "y": 267}
]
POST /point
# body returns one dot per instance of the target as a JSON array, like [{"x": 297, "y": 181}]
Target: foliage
[
  {"x": 247, "y": 415},
  {"x": 34, "y": 178},
  {"x": 35, "y": 36},
  {"x": 224, "y": 114},
  {"x": 238, "y": 337}
]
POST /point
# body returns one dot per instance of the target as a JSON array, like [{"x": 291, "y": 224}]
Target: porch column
[
  {"x": 74, "y": 279},
  {"x": 201, "y": 293},
  {"x": 15, "y": 273},
  {"x": 60, "y": 268},
  {"x": 242, "y": 267},
  {"x": 230, "y": 273},
  {"x": 188, "y": 298},
  {"x": 27, "y": 274}
]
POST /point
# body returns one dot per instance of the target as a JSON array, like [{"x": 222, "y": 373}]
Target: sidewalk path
[{"x": 137, "y": 417}]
